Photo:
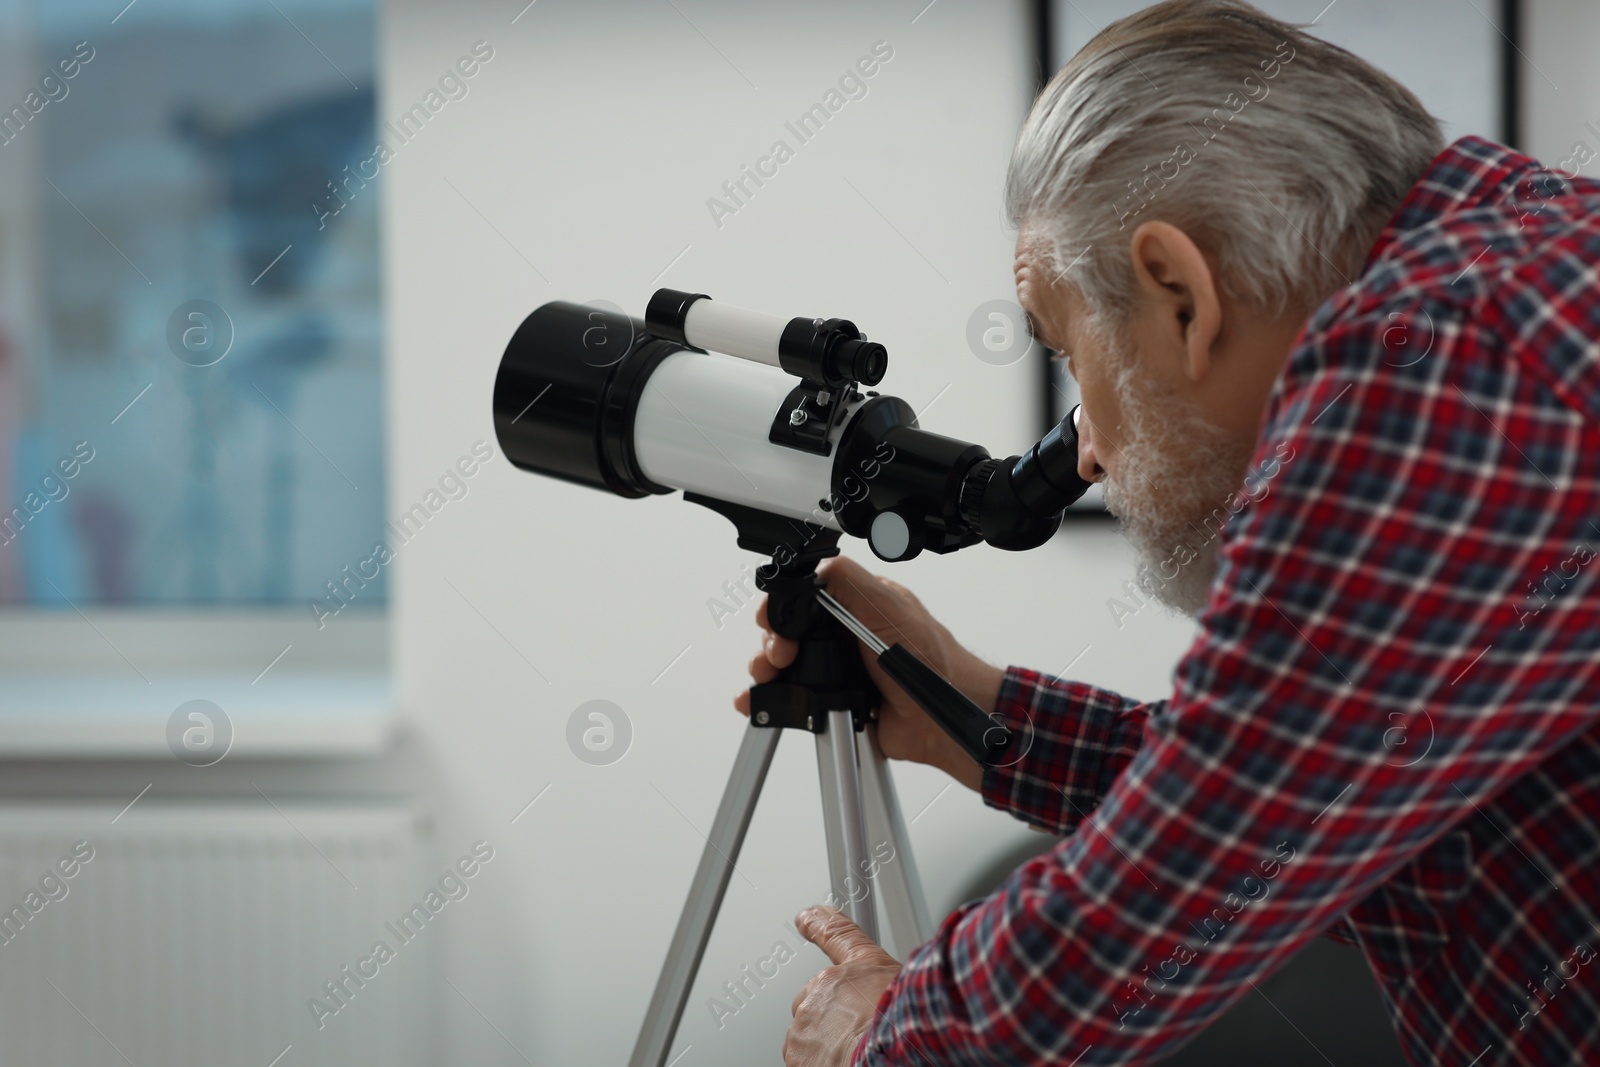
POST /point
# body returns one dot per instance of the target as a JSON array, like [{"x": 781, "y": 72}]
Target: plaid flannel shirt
[{"x": 1386, "y": 729}]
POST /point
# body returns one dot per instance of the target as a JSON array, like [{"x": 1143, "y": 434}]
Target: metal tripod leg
[
  {"x": 844, "y": 821},
  {"x": 899, "y": 887},
  {"x": 858, "y": 800},
  {"x": 705, "y": 896}
]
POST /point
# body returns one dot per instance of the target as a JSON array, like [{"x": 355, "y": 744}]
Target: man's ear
[{"x": 1176, "y": 280}]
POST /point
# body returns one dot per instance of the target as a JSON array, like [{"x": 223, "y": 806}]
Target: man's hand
[
  {"x": 834, "y": 1009},
  {"x": 893, "y": 612}
]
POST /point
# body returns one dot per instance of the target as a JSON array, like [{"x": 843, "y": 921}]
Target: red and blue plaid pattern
[{"x": 1386, "y": 729}]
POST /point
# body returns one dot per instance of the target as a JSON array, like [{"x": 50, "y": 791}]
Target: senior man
[{"x": 1373, "y": 361}]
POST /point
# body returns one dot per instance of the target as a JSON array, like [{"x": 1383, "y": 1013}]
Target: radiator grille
[{"x": 197, "y": 934}]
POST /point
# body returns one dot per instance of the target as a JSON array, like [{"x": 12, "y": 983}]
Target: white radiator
[{"x": 197, "y": 933}]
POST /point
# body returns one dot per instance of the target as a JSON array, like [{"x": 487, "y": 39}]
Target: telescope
[
  {"x": 742, "y": 408},
  {"x": 765, "y": 420}
]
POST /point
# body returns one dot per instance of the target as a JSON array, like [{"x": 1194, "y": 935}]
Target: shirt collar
[{"x": 1469, "y": 173}]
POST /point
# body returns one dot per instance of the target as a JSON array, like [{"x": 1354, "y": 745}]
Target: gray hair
[{"x": 1280, "y": 154}]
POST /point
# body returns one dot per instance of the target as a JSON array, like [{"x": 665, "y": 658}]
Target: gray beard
[{"x": 1178, "y": 474}]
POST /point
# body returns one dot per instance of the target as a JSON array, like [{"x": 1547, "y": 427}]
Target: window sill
[
  {"x": 105, "y": 682},
  {"x": 296, "y": 714}
]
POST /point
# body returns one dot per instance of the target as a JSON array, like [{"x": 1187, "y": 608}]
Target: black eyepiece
[{"x": 861, "y": 361}]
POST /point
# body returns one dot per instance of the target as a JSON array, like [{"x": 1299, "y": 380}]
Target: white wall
[
  {"x": 1445, "y": 51},
  {"x": 588, "y": 146},
  {"x": 1561, "y": 87}
]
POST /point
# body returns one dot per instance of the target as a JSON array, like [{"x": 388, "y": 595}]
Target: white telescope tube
[
  {"x": 734, "y": 331},
  {"x": 702, "y": 426}
]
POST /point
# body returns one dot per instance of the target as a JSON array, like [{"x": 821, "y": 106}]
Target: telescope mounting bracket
[
  {"x": 827, "y": 674},
  {"x": 808, "y": 415}
]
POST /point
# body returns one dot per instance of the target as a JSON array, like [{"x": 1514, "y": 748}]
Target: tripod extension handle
[
  {"x": 969, "y": 725},
  {"x": 978, "y": 733}
]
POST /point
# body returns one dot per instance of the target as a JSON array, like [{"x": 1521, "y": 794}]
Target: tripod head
[{"x": 827, "y": 673}]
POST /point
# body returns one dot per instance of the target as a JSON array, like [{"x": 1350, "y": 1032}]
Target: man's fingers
[
  {"x": 835, "y": 934},
  {"x": 775, "y": 655},
  {"x": 860, "y": 591},
  {"x": 781, "y": 651},
  {"x": 845, "y": 570},
  {"x": 761, "y": 668}
]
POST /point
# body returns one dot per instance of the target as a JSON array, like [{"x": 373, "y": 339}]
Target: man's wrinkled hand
[{"x": 836, "y": 1006}]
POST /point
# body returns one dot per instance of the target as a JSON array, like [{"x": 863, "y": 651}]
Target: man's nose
[{"x": 1089, "y": 468}]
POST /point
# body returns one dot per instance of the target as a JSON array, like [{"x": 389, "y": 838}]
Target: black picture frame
[{"x": 1057, "y": 391}]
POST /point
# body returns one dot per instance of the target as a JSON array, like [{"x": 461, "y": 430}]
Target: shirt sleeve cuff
[{"x": 1066, "y": 732}]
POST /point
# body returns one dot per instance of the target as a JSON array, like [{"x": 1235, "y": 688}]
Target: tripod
[{"x": 827, "y": 692}]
